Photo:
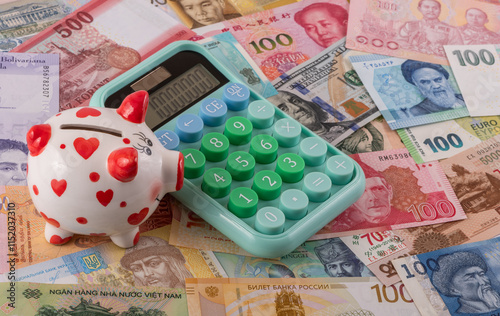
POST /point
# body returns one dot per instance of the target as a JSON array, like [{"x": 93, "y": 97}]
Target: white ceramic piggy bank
[{"x": 100, "y": 171}]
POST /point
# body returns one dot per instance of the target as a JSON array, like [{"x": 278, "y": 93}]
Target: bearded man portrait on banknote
[
  {"x": 463, "y": 275},
  {"x": 432, "y": 82}
]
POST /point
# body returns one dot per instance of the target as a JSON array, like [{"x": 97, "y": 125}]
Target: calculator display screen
[{"x": 170, "y": 98}]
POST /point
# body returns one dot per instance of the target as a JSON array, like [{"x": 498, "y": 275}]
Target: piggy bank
[{"x": 99, "y": 171}]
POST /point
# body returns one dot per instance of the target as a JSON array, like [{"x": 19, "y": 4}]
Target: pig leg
[
  {"x": 126, "y": 239},
  {"x": 56, "y": 236}
]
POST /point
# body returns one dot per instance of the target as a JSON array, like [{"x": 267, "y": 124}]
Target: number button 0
[
  {"x": 243, "y": 202},
  {"x": 264, "y": 148},
  {"x": 240, "y": 165},
  {"x": 290, "y": 167},
  {"x": 270, "y": 221},
  {"x": 216, "y": 183},
  {"x": 215, "y": 146},
  {"x": 194, "y": 163},
  {"x": 267, "y": 184}
]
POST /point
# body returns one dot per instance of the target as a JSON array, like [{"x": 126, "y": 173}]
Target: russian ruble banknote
[
  {"x": 418, "y": 30},
  {"x": 27, "y": 299},
  {"x": 444, "y": 139},
  {"x": 477, "y": 71},
  {"x": 320, "y": 296},
  {"x": 325, "y": 94},
  {"x": 459, "y": 280},
  {"x": 279, "y": 39},
  {"x": 101, "y": 40},
  {"x": 409, "y": 92},
  {"x": 22, "y": 19}
]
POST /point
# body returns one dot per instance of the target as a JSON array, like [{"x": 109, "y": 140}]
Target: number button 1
[
  {"x": 243, "y": 202},
  {"x": 267, "y": 184}
]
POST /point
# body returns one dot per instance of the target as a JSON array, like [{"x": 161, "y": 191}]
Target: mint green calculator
[{"x": 257, "y": 175}]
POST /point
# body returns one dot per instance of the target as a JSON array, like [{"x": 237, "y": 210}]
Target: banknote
[
  {"x": 152, "y": 262},
  {"x": 281, "y": 38},
  {"x": 23, "y": 233},
  {"x": 374, "y": 136},
  {"x": 398, "y": 194},
  {"x": 418, "y": 30},
  {"x": 444, "y": 139},
  {"x": 101, "y": 40},
  {"x": 27, "y": 299},
  {"x": 458, "y": 280},
  {"x": 325, "y": 95},
  {"x": 313, "y": 259},
  {"x": 409, "y": 92},
  {"x": 22, "y": 19},
  {"x": 477, "y": 70},
  {"x": 252, "y": 6},
  {"x": 320, "y": 296},
  {"x": 229, "y": 51}
]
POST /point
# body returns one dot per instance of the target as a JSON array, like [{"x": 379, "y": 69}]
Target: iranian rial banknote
[
  {"x": 28, "y": 299},
  {"x": 459, "y": 280},
  {"x": 276, "y": 39},
  {"x": 409, "y": 92},
  {"x": 325, "y": 95},
  {"x": 321, "y": 296},
  {"x": 398, "y": 194},
  {"x": 444, "y": 139},
  {"x": 101, "y": 40},
  {"x": 22, "y": 19},
  {"x": 418, "y": 30},
  {"x": 477, "y": 70}
]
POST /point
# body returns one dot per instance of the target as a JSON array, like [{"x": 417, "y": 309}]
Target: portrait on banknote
[
  {"x": 154, "y": 262},
  {"x": 475, "y": 32},
  {"x": 325, "y": 23},
  {"x": 199, "y": 13},
  {"x": 13, "y": 162},
  {"x": 464, "y": 277},
  {"x": 278, "y": 270},
  {"x": 366, "y": 139}
]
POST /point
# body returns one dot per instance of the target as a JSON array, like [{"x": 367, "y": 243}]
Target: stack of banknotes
[{"x": 410, "y": 89}]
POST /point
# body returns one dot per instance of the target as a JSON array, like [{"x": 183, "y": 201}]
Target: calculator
[{"x": 251, "y": 171}]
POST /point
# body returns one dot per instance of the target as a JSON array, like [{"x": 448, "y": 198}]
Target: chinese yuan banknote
[
  {"x": 101, "y": 40},
  {"x": 24, "y": 298},
  {"x": 459, "y": 280},
  {"x": 477, "y": 70},
  {"x": 403, "y": 92},
  {"x": 444, "y": 139},
  {"x": 280, "y": 39},
  {"x": 418, "y": 30},
  {"x": 320, "y": 296},
  {"x": 25, "y": 18},
  {"x": 398, "y": 194},
  {"x": 325, "y": 95}
]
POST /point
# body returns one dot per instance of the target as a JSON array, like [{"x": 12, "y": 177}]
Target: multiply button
[
  {"x": 238, "y": 130},
  {"x": 270, "y": 221},
  {"x": 287, "y": 132},
  {"x": 213, "y": 112},
  {"x": 189, "y": 128},
  {"x": 294, "y": 203},
  {"x": 313, "y": 150},
  {"x": 243, "y": 202},
  {"x": 317, "y": 186},
  {"x": 339, "y": 169},
  {"x": 236, "y": 96},
  {"x": 261, "y": 114}
]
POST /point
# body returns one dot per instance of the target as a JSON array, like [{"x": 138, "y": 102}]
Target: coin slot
[{"x": 92, "y": 128}]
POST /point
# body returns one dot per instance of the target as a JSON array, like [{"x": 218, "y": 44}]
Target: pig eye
[
  {"x": 143, "y": 149},
  {"x": 144, "y": 139}
]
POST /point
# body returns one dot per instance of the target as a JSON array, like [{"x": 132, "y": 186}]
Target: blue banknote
[
  {"x": 459, "y": 280},
  {"x": 409, "y": 92}
]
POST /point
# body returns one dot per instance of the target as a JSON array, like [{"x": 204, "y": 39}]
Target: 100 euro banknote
[
  {"x": 408, "y": 92},
  {"x": 444, "y": 139},
  {"x": 100, "y": 41},
  {"x": 410, "y": 30},
  {"x": 398, "y": 194}
]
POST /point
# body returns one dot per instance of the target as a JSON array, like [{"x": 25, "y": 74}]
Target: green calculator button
[
  {"x": 216, "y": 183},
  {"x": 294, "y": 204},
  {"x": 194, "y": 163},
  {"x": 240, "y": 165},
  {"x": 267, "y": 184},
  {"x": 238, "y": 130},
  {"x": 317, "y": 186},
  {"x": 215, "y": 146},
  {"x": 313, "y": 150},
  {"x": 290, "y": 167},
  {"x": 287, "y": 131},
  {"x": 264, "y": 148},
  {"x": 339, "y": 169},
  {"x": 261, "y": 114},
  {"x": 243, "y": 202},
  {"x": 270, "y": 221}
]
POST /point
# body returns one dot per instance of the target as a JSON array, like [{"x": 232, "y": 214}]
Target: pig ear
[{"x": 134, "y": 107}]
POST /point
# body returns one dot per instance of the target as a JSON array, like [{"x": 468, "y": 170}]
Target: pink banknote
[
  {"x": 100, "y": 41},
  {"x": 419, "y": 29},
  {"x": 282, "y": 38},
  {"x": 399, "y": 194}
]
